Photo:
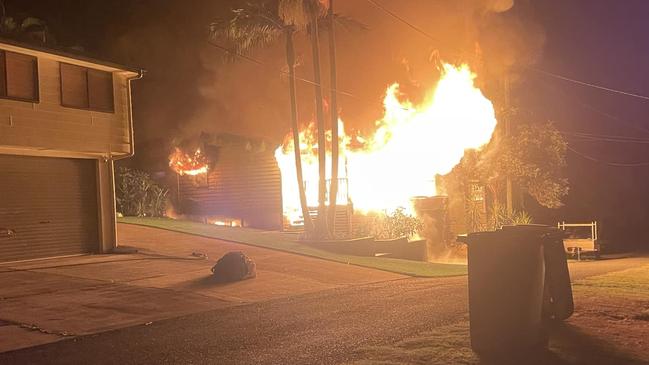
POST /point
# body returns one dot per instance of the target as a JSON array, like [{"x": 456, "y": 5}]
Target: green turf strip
[{"x": 287, "y": 242}]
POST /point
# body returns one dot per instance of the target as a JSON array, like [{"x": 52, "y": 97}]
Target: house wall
[
  {"x": 48, "y": 125},
  {"x": 106, "y": 205},
  {"x": 46, "y": 128},
  {"x": 241, "y": 184}
]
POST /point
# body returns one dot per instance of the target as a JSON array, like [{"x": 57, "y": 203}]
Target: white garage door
[{"x": 48, "y": 207}]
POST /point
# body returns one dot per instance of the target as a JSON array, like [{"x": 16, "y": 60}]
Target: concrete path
[{"x": 47, "y": 300}]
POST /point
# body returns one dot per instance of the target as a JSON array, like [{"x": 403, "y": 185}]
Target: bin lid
[
  {"x": 475, "y": 236},
  {"x": 532, "y": 228},
  {"x": 538, "y": 230},
  {"x": 535, "y": 229}
]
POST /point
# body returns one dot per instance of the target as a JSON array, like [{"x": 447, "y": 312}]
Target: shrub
[
  {"x": 500, "y": 217},
  {"x": 137, "y": 194},
  {"x": 388, "y": 226}
]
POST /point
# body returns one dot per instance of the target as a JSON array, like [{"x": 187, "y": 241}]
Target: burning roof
[
  {"x": 196, "y": 156},
  {"x": 192, "y": 163}
]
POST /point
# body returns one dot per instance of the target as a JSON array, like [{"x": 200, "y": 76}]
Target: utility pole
[
  {"x": 333, "y": 183},
  {"x": 508, "y": 187},
  {"x": 321, "y": 230}
]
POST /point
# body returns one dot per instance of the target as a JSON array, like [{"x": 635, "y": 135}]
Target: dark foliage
[{"x": 137, "y": 194}]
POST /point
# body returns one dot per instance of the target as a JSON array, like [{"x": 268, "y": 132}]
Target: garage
[{"x": 48, "y": 207}]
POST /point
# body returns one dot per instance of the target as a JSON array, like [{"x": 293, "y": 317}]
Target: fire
[
  {"x": 225, "y": 222},
  {"x": 188, "y": 164},
  {"x": 411, "y": 145}
]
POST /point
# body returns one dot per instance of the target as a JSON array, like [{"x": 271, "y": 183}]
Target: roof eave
[{"x": 73, "y": 56}]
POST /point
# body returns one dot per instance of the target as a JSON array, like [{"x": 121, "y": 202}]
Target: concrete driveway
[{"x": 47, "y": 300}]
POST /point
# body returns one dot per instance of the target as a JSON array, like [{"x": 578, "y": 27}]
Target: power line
[
  {"x": 547, "y": 73},
  {"x": 394, "y": 15},
  {"x": 585, "y": 105},
  {"x": 583, "y": 83},
  {"x": 590, "y": 137},
  {"x": 616, "y": 164},
  {"x": 585, "y": 136},
  {"x": 310, "y": 82},
  {"x": 607, "y": 138},
  {"x": 613, "y": 117},
  {"x": 260, "y": 63}
]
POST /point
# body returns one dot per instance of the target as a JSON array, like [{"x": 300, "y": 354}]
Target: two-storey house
[{"x": 64, "y": 119}]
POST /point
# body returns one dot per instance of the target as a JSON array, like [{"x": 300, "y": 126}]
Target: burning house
[
  {"x": 228, "y": 180},
  {"x": 403, "y": 158},
  {"x": 234, "y": 181}
]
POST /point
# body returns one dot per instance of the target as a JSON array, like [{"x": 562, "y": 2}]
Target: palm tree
[
  {"x": 313, "y": 10},
  {"x": 307, "y": 12},
  {"x": 290, "y": 59},
  {"x": 257, "y": 25}
]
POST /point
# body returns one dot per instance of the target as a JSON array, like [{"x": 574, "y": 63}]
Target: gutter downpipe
[{"x": 130, "y": 153}]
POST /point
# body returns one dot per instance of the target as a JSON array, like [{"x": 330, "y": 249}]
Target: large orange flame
[
  {"x": 188, "y": 164},
  {"x": 411, "y": 145}
]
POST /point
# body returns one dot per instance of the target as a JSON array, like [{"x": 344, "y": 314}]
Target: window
[
  {"x": 85, "y": 88},
  {"x": 18, "y": 76}
]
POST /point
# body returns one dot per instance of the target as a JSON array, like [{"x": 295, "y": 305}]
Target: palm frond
[
  {"x": 320, "y": 7},
  {"x": 349, "y": 23},
  {"x": 292, "y": 12},
  {"x": 251, "y": 27},
  {"x": 298, "y": 12}
]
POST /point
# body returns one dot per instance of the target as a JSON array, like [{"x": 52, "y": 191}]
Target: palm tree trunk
[
  {"x": 321, "y": 223},
  {"x": 290, "y": 60},
  {"x": 333, "y": 187}
]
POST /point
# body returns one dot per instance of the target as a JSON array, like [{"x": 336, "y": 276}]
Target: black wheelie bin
[{"x": 516, "y": 281}]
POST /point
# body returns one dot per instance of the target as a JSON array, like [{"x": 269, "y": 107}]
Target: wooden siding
[
  {"x": 241, "y": 184},
  {"x": 46, "y": 125}
]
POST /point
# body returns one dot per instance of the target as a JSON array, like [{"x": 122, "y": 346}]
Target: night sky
[{"x": 189, "y": 88}]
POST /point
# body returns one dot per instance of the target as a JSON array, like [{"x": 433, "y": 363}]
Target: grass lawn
[
  {"x": 288, "y": 242},
  {"x": 632, "y": 283},
  {"x": 444, "y": 345},
  {"x": 610, "y": 326}
]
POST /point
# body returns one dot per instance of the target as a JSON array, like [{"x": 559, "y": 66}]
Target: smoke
[
  {"x": 498, "y": 6},
  {"x": 190, "y": 88},
  {"x": 510, "y": 41}
]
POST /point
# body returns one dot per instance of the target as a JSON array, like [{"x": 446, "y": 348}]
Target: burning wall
[{"x": 239, "y": 183}]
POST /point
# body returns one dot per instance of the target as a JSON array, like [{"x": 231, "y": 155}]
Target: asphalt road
[{"x": 324, "y": 327}]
